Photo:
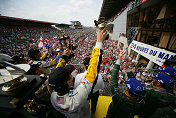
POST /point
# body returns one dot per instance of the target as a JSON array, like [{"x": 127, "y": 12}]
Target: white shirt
[
  {"x": 73, "y": 104},
  {"x": 80, "y": 77}
]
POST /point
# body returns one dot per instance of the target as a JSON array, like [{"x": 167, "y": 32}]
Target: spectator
[
  {"x": 128, "y": 103},
  {"x": 36, "y": 58},
  {"x": 59, "y": 55},
  {"x": 160, "y": 102},
  {"x": 163, "y": 83}
]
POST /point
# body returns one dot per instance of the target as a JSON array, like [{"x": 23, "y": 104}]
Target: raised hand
[
  {"x": 120, "y": 56},
  {"x": 101, "y": 35}
]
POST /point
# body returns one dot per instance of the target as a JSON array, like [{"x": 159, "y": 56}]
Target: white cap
[{"x": 58, "y": 50}]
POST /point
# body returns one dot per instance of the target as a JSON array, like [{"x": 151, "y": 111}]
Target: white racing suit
[{"x": 75, "y": 104}]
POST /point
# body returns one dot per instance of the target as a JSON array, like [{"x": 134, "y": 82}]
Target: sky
[{"x": 57, "y": 11}]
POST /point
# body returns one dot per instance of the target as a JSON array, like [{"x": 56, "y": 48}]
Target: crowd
[
  {"x": 18, "y": 40},
  {"x": 126, "y": 79}
]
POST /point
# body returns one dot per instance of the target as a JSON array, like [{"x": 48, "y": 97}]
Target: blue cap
[
  {"x": 134, "y": 85},
  {"x": 164, "y": 79},
  {"x": 168, "y": 70}
]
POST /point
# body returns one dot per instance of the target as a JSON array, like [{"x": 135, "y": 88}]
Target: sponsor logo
[{"x": 138, "y": 88}]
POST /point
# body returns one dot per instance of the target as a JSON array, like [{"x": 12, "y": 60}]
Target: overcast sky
[{"x": 58, "y": 11}]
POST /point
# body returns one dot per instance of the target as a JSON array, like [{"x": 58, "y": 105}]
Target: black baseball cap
[
  {"x": 70, "y": 68},
  {"x": 32, "y": 53},
  {"x": 59, "y": 77}
]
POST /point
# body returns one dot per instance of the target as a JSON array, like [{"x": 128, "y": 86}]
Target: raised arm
[
  {"x": 115, "y": 71},
  {"x": 62, "y": 61},
  {"x": 95, "y": 61},
  {"x": 84, "y": 88}
]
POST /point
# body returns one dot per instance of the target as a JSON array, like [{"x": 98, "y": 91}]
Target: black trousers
[{"x": 94, "y": 99}]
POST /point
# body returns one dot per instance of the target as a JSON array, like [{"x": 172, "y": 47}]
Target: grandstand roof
[
  {"x": 112, "y": 7},
  {"x": 8, "y": 20}
]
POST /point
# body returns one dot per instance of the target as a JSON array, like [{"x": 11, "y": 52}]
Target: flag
[
  {"x": 47, "y": 45},
  {"x": 44, "y": 47},
  {"x": 40, "y": 45},
  {"x": 44, "y": 43},
  {"x": 47, "y": 40},
  {"x": 60, "y": 100}
]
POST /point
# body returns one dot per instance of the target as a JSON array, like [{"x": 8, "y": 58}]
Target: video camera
[{"x": 100, "y": 24}]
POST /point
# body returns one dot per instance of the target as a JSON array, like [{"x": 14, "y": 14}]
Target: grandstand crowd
[{"x": 17, "y": 42}]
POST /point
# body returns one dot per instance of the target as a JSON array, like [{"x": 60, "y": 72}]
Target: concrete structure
[
  {"x": 76, "y": 24},
  {"x": 119, "y": 25}
]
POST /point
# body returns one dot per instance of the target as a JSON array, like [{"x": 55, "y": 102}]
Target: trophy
[
  {"x": 67, "y": 45},
  {"x": 11, "y": 76},
  {"x": 100, "y": 24},
  {"x": 64, "y": 38}
]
